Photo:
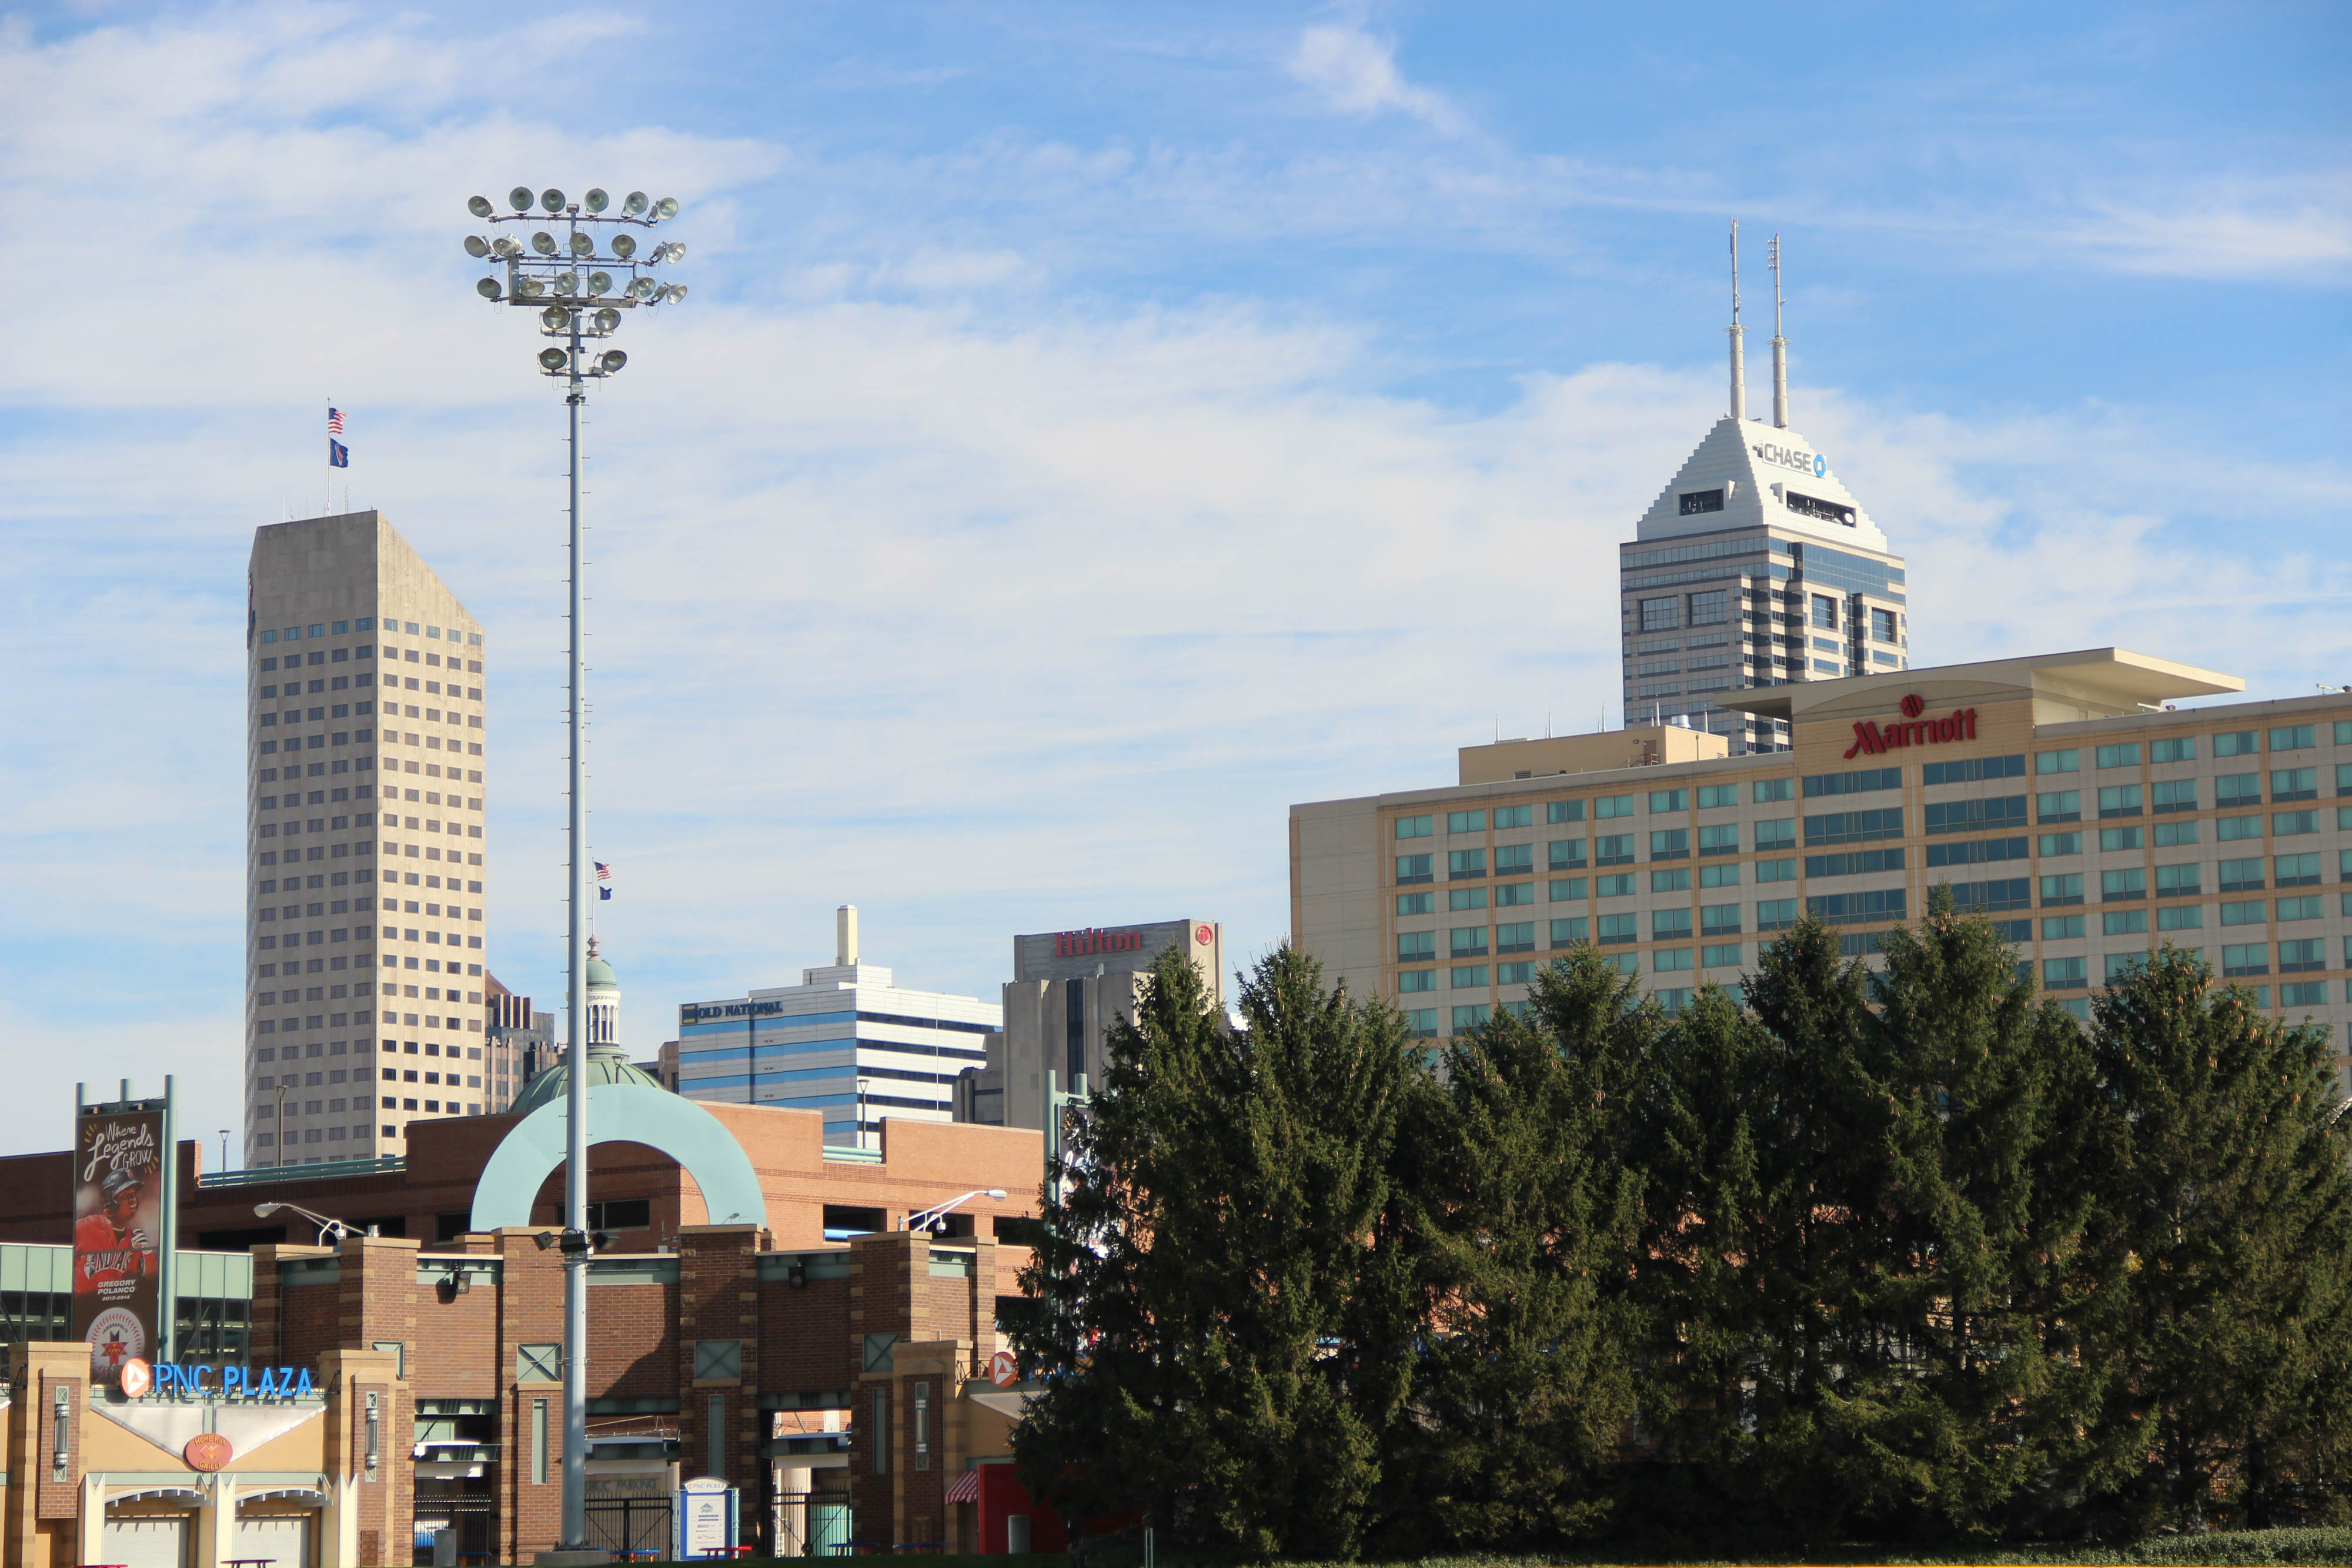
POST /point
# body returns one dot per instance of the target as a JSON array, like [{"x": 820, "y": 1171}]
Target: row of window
[
  {"x": 367, "y": 623},
  {"x": 343, "y": 683},
  {"x": 362, "y": 791}
]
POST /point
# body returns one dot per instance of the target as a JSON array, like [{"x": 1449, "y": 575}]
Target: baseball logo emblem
[
  {"x": 138, "y": 1377},
  {"x": 116, "y": 1336}
]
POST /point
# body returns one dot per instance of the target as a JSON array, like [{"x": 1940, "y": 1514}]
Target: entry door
[
  {"x": 284, "y": 1537},
  {"x": 150, "y": 1542}
]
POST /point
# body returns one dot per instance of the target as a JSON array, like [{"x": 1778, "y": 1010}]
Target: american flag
[
  {"x": 603, "y": 875},
  {"x": 334, "y": 422}
]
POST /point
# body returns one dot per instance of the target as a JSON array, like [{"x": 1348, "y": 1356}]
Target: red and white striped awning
[{"x": 966, "y": 1488}]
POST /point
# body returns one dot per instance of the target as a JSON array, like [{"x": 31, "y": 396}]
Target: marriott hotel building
[{"x": 2063, "y": 795}]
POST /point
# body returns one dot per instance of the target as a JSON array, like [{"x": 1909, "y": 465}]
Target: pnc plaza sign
[{"x": 1872, "y": 737}]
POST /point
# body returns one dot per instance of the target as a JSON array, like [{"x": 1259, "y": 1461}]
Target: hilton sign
[
  {"x": 1873, "y": 737},
  {"x": 1093, "y": 940}
]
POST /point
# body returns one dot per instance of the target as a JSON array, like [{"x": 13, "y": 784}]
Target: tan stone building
[
  {"x": 367, "y": 866},
  {"x": 2064, "y": 795}
]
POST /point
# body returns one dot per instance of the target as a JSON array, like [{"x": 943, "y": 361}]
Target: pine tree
[
  {"x": 1521, "y": 1243},
  {"x": 2227, "y": 1212},
  {"x": 1204, "y": 1260}
]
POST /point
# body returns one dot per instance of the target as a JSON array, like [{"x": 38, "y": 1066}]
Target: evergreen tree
[
  {"x": 1204, "y": 1260},
  {"x": 1523, "y": 1223},
  {"x": 2226, "y": 1213}
]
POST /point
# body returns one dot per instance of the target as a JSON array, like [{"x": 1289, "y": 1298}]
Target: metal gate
[
  {"x": 631, "y": 1524},
  {"x": 809, "y": 1524},
  {"x": 467, "y": 1514}
]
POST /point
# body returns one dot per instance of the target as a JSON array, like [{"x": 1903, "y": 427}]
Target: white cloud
[{"x": 1356, "y": 73}]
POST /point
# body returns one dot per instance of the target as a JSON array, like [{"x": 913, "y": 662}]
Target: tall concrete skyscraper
[
  {"x": 1755, "y": 568},
  {"x": 368, "y": 870}
]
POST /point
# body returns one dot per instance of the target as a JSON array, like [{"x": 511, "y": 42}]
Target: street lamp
[
  {"x": 580, "y": 295},
  {"x": 327, "y": 1225},
  {"x": 932, "y": 1218}
]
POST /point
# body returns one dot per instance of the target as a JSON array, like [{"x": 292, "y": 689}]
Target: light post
[
  {"x": 936, "y": 1216},
  {"x": 327, "y": 1225},
  {"x": 580, "y": 295}
]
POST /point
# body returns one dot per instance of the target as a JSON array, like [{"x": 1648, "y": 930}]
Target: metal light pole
[{"x": 576, "y": 310}]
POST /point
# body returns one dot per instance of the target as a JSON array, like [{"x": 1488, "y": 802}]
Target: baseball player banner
[{"x": 118, "y": 1236}]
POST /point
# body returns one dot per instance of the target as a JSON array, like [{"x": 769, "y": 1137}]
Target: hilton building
[
  {"x": 367, "y": 869},
  {"x": 2063, "y": 795}
]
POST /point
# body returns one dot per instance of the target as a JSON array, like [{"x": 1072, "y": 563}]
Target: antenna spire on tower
[
  {"x": 1738, "y": 354},
  {"x": 1779, "y": 347}
]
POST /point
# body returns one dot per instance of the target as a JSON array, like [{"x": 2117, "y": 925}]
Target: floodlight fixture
[
  {"x": 480, "y": 206},
  {"x": 621, "y": 279},
  {"x": 477, "y": 247}
]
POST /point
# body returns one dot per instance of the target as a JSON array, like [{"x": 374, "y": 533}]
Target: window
[
  {"x": 2233, "y": 790},
  {"x": 1421, "y": 1023},
  {"x": 1724, "y": 955},
  {"x": 1514, "y": 859},
  {"x": 1416, "y": 903},
  {"x": 1718, "y": 875},
  {"x": 2178, "y": 881},
  {"x": 1675, "y": 881},
  {"x": 1564, "y": 812},
  {"x": 1462, "y": 863},
  {"x": 1856, "y": 783},
  {"x": 2066, "y": 888},
  {"x": 1723, "y": 839},
  {"x": 2229, "y": 828},
  {"x": 1854, "y": 863},
  {"x": 2119, "y": 801},
  {"x": 1711, "y": 796},
  {"x": 1514, "y": 817},
  {"x": 1417, "y": 980},
  {"x": 2116, "y": 885},
  {"x": 2060, "y": 973},
  {"x": 1411, "y": 869},
  {"x": 1618, "y": 887},
  {"x": 2174, "y": 795},
  {"x": 1969, "y": 771},
  {"x": 2304, "y": 994},
  {"x": 1661, "y": 614},
  {"x": 1416, "y": 946},
  {"x": 1985, "y": 897},
  {"x": 1461, "y": 898},
  {"x": 1764, "y": 791},
  {"x": 1854, "y": 908},
  {"x": 1718, "y": 920},
  {"x": 1619, "y": 929},
  {"x": 2246, "y": 912},
  {"x": 2295, "y": 871},
  {"x": 1573, "y": 888},
  {"x": 2112, "y": 839},
  {"x": 1668, "y": 924},
  {"x": 2181, "y": 917},
  {"x": 1473, "y": 977},
  {"x": 1465, "y": 822},
  {"x": 2118, "y": 966},
  {"x": 2295, "y": 783},
  {"x": 2060, "y": 927},
  {"x": 1825, "y": 612},
  {"x": 1974, "y": 816},
  {"x": 1666, "y": 960},
  {"x": 2237, "y": 743},
  {"x": 2305, "y": 907},
  {"x": 1614, "y": 849},
  {"x": 2247, "y": 959},
  {"x": 2059, "y": 806},
  {"x": 2284, "y": 824},
  {"x": 1882, "y": 626},
  {"x": 1568, "y": 933},
  {"x": 2060, "y": 844},
  {"x": 1777, "y": 833},
  {"x": 1670, "y": 843},
  {"x": 2068, "y": 761},
  {"x": 2292, "y": 737},
  {"x": 1412, "y": 827},
  {"x": 2122, "y": 923},
  {"x": 1669, "y": 800},
  {"x": 2183, "y": 750},
  {"x": 2124, "y": 756},
  {"x": 1853, "y": 827},
  {"x": 1566, "y": 854},
  {"x": 1693, "y": 502},
  {"x": 1472, "y": 1017},
  {"x": 1609, "y": 805},
  {"x": 1466, "y": 940},
  {"x": 1516, "y": 938},
  {"x": 1776, "y": 870},
  {"x": 1519, "y": 974},
  {"x": 1775, "y": 914},
  {"x": 2343, "y": 781},
  {"x": 1515, "y": 892}
]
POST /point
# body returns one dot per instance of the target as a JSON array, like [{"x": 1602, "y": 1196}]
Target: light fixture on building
[{"x": 621, "y": 280}]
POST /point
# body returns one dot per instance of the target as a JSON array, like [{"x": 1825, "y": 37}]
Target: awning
[
  {"x": 308, "y": 1497},
  {"x": 188, "y": 1495},
  {"x": 966, "y": 1488}
]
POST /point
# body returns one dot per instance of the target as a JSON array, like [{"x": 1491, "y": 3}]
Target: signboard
[
  {"x": 119, "y": 1228},
  {"x": 1003, "y": 1369},
  {"x": 1871, "y": 737},
  {"x": 706, "y": 1517}
]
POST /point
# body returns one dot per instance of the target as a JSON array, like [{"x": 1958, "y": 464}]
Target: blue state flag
[{"x": 338, "y": 454}]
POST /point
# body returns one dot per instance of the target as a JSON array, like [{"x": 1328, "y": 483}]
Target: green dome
[
  {"x": 600, "y": 972},
  {"x": 606, "y": 1064}
]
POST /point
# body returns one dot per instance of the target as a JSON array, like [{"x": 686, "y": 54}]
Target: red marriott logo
[
  {"x": 1873, "y": 737},
  {"x": 1093, "y": 940}
]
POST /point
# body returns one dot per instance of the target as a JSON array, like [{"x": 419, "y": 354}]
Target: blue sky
[{"x": 1093, "y": 428}]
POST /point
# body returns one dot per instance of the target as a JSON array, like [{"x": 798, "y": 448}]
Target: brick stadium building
[{"x": 831, "y": 1366}]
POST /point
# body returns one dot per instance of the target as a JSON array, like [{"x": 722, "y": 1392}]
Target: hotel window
[
  {"x": 1718, "y": 920},
  {"x": 2305, "y": 907},
  {"x": 1776, "y": 870},
  {"x": 1670, "y": 843},
  {"x": 2182, "y": 749},
  {"x": 2293, "y": 737},
  {"x": 1566, "y": 854},
  {"x": 2237, "y": 743},
  {"x": 2119, "y": 966},
  {"x": 1517, "y": 974},
  {"x": 2060, "y": 844},
  {"x": 1614, "y": 849},
  {"x": 1619, "y": 929},
  {"x": 1467, "y": 940},
  {"x": 1764, "y": 791},
  {"x": 1416, "y": 903},
  {"x": 1722, "y": 838},
  {"x": 2247, "y": 959},
  {"x": 2117, "y": 885},
  {"x": 1472, "y": 1017},
  {"x": 1718, "y": 875},
  {"x": 2113, "y": 838},
  {"x": 1513, "y": 894},
  {"x": 1825, "y": 612},
  {"x": 2063, "y": 972},
  {"x": 2062, "y": 890},
  {"x": 1619, "y": 885},
  {"x": 2126, "y": 756},
  {"x": 1674, "y": 881},
  {"x": 1661, "y": 614},
  {"x": 1669, "y": 800},
  {"x": 1514, "y": 859},
  {"x": 1472, "y": 978},
  {"x": 1882, "y": 626},
  {"x": 1775, "y": 914},
  {"x": 1421, "y": 1023},
  {"x": 2060, "y": 927},
  {"x": 2227, "y": 830},
  {"x": 1417, "y": 980},
  {"x": 2344, "y": 778},
  {"x": 1564, "y": 812},
  {"x": 2304, "y": 994},
  {"x": 2119, "y": 801},
  {"x": 1666, "y": 925},
  {"x": 1570, "y": 932},
  {"x": 1416, "y": 946},
  {"x": 2285, "y": 824},
  {"x": 1461, "y": 898},
  {"x": 1572, "y": 888},
  {"x": 1666, "y": 960},
  {"x": 2232, "y": 789},
  {"x": 1609, "y": 805},
  {"x": 2178, "y": 881},
  {"x": 1777, "y": 834},
  {"x": 1460, "y": 863},
  {"x": 2181, "y": 917},
  {"x": 1412, "y": 827},
  {"x": 1516, "y": 938},
  {"x": 1725, "y": 956},
  {"x": 2068, "y": 761},
  {"x": 1411, "y": 869},
  {"x": 1514, "y": 817},
  {"x": 2295, "y": 783},
  {"x": 2122, "y": 923},
  {"x": 2174, "y": 795},
  {"x": 1712, "y": 795},
  {"x": 1465, "y": 822},
  {"x": 2245, "y": 912}
]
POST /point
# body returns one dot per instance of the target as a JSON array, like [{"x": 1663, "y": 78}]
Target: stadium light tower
[{"x": 580, "y": 295}]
